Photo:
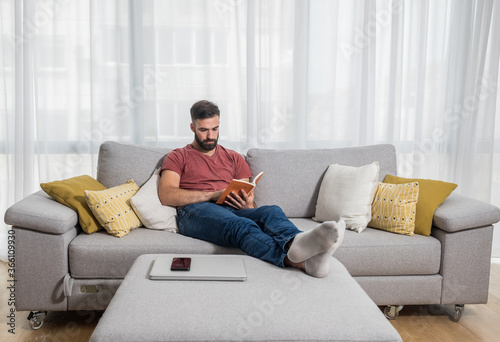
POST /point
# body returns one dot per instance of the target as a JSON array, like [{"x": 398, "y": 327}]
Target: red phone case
[{"x": 180, "y": 264}]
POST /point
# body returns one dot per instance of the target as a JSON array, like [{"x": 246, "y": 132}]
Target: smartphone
[{"x": 180, "y": 264}]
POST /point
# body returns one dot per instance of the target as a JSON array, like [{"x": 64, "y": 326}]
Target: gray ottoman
[{"x": 274, "y": 304}]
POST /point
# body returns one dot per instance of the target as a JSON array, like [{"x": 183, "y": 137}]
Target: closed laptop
[{"x": 202, "y": 267}]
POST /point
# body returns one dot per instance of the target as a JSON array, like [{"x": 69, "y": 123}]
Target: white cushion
[
  {"x": 346, "y": 192},
  {"x": 149, "y": 209}
]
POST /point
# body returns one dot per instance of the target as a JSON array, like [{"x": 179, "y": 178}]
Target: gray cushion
[
  {"x": 376, "y": 252},
  {"x": 459, "y": 212},
  {"x": 42, "y": 213},
  {"x": 274, "y": 304},
  {"x": 292, "y": 178},
  {"x": 119, "y": 162},
  {"x": 373, "y": 252},
  {"x": 101, "y": 255}
]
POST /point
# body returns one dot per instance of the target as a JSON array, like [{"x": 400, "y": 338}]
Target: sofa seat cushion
[
  {"x": 101, "y": 255},
  {"x": 370, "y": 253},
  {"x": 376, "y": 252},
  {"x": 272, "y": 305}
]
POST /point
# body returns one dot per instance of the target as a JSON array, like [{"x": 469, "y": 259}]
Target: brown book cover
[{"x": 236, "y": 185}]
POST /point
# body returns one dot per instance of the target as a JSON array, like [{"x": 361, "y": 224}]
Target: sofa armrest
[
  {"x": 465, "y": 264},
  {"x": 42, "y": 263},
  {"x": 459, "y": 213},
  {"x": 41, "y": 213}
]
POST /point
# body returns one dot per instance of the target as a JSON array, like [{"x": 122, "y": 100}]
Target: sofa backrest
[
  {"x": 292, "y": 178},
  {"x": 119, "y": 162}
]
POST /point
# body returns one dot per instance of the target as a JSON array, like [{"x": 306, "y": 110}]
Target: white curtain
[{"x": 422, "y": 75}]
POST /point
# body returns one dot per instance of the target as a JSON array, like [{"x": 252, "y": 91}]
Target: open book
[{"x": 236, "y": 185}]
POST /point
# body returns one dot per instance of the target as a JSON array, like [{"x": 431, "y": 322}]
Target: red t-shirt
[{"x": 206, "y": 173}]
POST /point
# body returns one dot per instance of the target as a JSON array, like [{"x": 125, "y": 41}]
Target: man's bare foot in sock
[
  {"x": 319, "y": 240},
  {"x": 319, "y": 265}
]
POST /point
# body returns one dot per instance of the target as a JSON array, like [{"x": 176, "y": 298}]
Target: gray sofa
[{"x": 59, "y": 267}]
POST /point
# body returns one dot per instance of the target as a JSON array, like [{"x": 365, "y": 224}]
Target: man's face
[{"x": 206, "y": 132}]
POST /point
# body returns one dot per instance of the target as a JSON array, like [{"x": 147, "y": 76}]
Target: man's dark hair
[{"x": 204, "y": 110}]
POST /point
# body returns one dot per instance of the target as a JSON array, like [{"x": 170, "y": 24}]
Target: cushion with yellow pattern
[
  {"x": 431, "y": 194},
  {"x": 112, "y": 208},
  {"x": 71, "y": 193},
  {"x": 394, "y": 207}
]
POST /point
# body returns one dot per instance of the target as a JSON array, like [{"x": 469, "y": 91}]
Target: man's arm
[{"x": 170, "y": 193}]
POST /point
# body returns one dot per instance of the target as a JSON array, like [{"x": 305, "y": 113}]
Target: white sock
[
  {"x": 319, "y": 265},
  {"x": 320, "y": 239}
]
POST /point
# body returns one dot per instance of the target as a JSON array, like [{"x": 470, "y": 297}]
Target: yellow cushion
[
  {"x": 432, "y": 194},
  {"x": 394, "y": 208},
  {"x": 112, "y": 208},
  {"x": 71, "y": 192}
]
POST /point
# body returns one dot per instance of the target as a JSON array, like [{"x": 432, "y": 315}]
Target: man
[{"x": 194, "y": 177}]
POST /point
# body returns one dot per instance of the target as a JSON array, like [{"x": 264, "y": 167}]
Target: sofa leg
[
  {"x": 392, "y": 311},
  {"x": 457, "y": 314},
  {"x": 36, "y": 319}
]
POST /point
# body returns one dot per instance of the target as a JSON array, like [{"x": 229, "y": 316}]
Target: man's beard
[{"x": 207, "y": 144}]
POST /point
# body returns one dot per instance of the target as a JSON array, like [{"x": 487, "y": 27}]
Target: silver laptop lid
[{"x": 203, "y": 267}]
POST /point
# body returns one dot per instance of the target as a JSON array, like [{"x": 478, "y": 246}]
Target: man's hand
[
  {"x": 241, "y": 200},
  {"x": 216, "y": 195}
]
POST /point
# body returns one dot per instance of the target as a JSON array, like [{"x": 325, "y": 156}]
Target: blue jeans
[{"x": 261, "y": 232}]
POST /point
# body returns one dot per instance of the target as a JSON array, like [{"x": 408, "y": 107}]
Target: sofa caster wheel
[
  {"x": 457, "y": 314},
  {"x": 392, "y": 311},
  {"x": 36, "y": 319}
]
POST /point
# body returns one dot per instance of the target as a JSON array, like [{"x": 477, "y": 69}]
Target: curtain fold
[
  {"x": 473, "y": 119},
  {"x": 25, "y": 110},
  {"x": 422, "y": 75},
  {"x": 300, "y": 72}
]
